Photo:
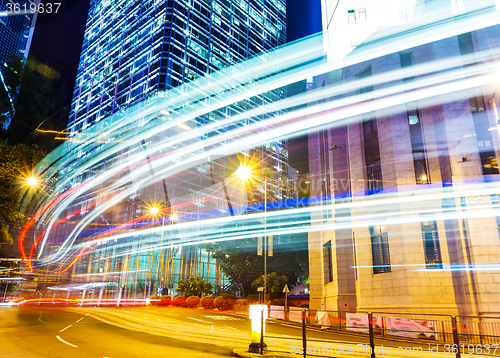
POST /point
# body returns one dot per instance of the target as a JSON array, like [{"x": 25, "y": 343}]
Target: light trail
[
  {"x": 377, "y": 217},
  {"x": 184, "y": 150}
]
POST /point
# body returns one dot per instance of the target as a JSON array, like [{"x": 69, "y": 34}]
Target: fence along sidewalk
[{"x": 430, "y": 333}]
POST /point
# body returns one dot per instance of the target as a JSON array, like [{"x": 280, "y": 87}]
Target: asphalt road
[
  {"x": 52, "y": 332},
  {"x": 61, "y": 332},
  {"x": 241, "y": 323}
]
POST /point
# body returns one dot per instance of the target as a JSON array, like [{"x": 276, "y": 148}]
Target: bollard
[
  {"x": 370, "y": 330},
  {"x": 258, "y": 315},
  {"x": 304, "y": 340}
]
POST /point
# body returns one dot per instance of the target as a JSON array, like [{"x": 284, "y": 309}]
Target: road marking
[
  {"x": 87, "y": 314},
  {"x": 80, "y": 319},
  {"x": 199, "y": 320},
  {"x": 231, "y": 328},
  {"x": 159, "y": 319},
  {"x": 69, "y": 344},
  {"x": 224, "y": 318},
  {"x": 62, "y": 330},
  {"x": 172, "y": 314}
]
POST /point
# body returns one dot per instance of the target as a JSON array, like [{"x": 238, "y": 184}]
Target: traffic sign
[{"x": 286, "y": 290}]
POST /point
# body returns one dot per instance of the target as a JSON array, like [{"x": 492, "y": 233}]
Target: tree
[
  {"x": 275, "y": 282},
  {"x": 32, "y": 103},
  {"x": 194, "y": 286},
  {"x": 240, "y": 263},
  {"x": 16, "y": 163}
]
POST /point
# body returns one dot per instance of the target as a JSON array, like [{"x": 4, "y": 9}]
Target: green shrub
[
  {"x": 192, "y": 301},
  {"x": 253, "y": 297},
  {"x": 224, "y": 303},
  {"x": 165, "y": 300},
  {"x": 207, "y": 302},
  {"x": 179, "y": 301},
  {"x": 242, "y": 304},
  {"x": 226, "y": 295}
]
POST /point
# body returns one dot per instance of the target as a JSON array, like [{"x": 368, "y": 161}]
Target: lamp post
[
  {"x": 244, "y": 172},
  {"x": 155, "y": 211},
  {"x": 173, "y": 217}
]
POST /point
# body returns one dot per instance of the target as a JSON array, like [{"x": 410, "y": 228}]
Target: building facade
[{"x": 437, "y": 257}]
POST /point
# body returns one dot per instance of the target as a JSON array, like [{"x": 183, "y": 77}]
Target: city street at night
[{"x": 281, "y": 178}]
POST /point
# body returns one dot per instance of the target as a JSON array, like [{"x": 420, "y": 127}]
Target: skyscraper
[
  {"x": 16, "y": 32},
  {"x": 133, "y": 50},
  {"x": 136, "y": 51}
]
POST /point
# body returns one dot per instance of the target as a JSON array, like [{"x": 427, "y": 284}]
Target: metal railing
[{"x": 459, "y": 335}]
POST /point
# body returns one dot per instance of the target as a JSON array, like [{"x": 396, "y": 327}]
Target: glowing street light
[
  {"x": 31, "y": 181},
  {"x": 244, "y": 172},
  {"x": 154, "y": 210},
  {"x": 174, "y": 217}
]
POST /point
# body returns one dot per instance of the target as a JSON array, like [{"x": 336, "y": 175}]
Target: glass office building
[
  {"x": 134, "y": 52},
  {"x": 16, "y": 31}
]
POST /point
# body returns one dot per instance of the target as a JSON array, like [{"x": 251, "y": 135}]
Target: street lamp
[
  {"x": 244, "y": 172},
  {"x": 32, "y": 181},
  {"x": 154, "y": 210}
]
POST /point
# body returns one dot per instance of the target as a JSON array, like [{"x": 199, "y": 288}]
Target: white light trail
[{"x": 183, "y": 150}]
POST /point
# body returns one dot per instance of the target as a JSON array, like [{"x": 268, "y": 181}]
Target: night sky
[{"x": 57, "y": 41}]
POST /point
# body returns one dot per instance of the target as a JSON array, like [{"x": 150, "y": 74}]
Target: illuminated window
[
  {"x": 366, "y": 73},
  {"x": 484, "y": 138},
  {"x": 406, "y": 60},
  {"x": 381, "y": 260},
  {"x": 465, "y": 43},
  {"x": 362, "y": 15},
  {"x": 327, "y": 262},
  {"x": 351, "y": 17},
  {"x": 432, "y": 250},
  {"x": 477, "y": 104},
  {"x": 372, "y": 156},
  {"x": 417, "y": 144}
]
